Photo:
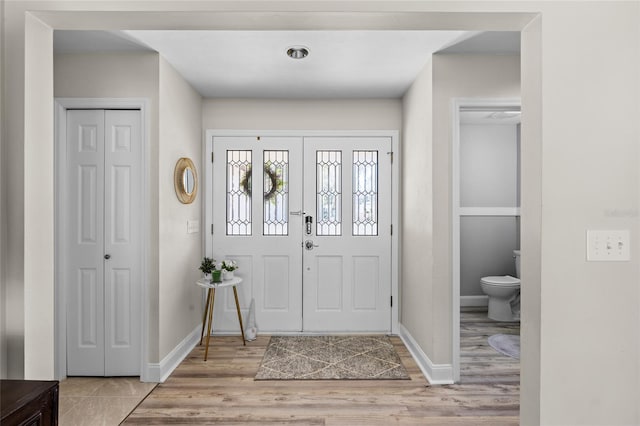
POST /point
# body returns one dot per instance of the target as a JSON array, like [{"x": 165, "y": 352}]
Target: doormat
[
  {"x": 331, "y": 358},
  {"x": 506, "y": 344}
]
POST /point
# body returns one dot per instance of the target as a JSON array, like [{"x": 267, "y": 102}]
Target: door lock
[
  {"x": 308, "y": 222},
  {"x": 107, "y": 256},
  {"x": 309, "y": 245}
]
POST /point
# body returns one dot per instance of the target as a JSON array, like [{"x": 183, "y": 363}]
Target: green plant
[
  {"x": 208, "y": 265},
  {"x": 229, "y": 265}
]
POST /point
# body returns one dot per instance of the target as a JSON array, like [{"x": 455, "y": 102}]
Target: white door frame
[
  {"x": 61, "y": 105},
  {"x": 456, "y": 105},
  {"x": 395, "y": 191}
]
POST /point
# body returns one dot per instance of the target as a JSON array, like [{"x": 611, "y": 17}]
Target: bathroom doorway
[{"x": 485, "y": 231}]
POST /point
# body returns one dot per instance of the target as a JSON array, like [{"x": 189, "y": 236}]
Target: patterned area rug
[{"x": 331, "y": 357}]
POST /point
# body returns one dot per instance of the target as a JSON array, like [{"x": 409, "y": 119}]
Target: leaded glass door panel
[
  {"x": 347, "y": 248},
  {"x": 257, "y": 199}
]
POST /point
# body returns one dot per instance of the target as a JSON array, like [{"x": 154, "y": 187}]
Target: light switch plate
[
  {"x": 193, "y": 226},
  {"x": 608, "y": 245}
]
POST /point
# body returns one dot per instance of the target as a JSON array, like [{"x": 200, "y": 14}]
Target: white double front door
[{"x": 308, "y": 220}]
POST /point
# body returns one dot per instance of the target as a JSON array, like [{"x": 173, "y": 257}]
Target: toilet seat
[{"x": 502, "y": 281}]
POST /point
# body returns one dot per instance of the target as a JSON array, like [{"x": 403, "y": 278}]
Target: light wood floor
[
  {"x": 222, "y": 390},
  {"x": 479, "y": 362}
]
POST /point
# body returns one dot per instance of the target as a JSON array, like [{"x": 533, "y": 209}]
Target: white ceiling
[{"x": 254, "y": 64}]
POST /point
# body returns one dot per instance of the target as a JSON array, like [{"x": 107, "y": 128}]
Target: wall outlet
[
  {"x": 608, "y": 246},
  {"x": 193, "y": 226}
]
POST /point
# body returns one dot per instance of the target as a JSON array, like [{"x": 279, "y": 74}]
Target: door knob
[
  {"x": 309, "y": 245},
  {"x": 107, "y": 256}
]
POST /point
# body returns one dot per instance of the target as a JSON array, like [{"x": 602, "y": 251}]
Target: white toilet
[{"x": 504, "y": 294}]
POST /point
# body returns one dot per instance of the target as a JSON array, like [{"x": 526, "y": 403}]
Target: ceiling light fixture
[
  {"x": 297, "y": 52},
  {"x": 501, "y": 115}
]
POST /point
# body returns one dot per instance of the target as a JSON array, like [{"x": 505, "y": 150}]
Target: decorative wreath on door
[{"x": 270, "y": 175}]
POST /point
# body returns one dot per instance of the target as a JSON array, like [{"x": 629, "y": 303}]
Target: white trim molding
[
  {"x": 481, "y": 300},
  {"x": 458, "y": 211},
  {"x": 436, "y": 374},
  {"x": 489, "y": 211},
  {"x": 61, "y": 105},
  {"x": 159, "y": 372}
]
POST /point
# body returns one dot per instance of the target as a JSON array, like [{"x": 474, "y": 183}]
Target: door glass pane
[
  {"x": 239, "y": 192},
  {"x": 365, "y": 192},
  {"x": 328, "y": 192},
  {"x": 276, "y": 193}
]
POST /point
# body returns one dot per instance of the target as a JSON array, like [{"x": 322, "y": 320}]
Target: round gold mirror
[{"x": 185, "y": 180}]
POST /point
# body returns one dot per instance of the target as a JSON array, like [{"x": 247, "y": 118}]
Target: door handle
[
  {"x": 107, "y": 256},
  {"x": 309, "y": 245}
]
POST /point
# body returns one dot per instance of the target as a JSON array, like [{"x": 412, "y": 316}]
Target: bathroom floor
[
  {"x": 479, "y": 362},
  {"x": 99, "y": 400}
]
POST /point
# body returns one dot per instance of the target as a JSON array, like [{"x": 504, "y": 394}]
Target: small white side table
[{"x": 207, "y": 318}]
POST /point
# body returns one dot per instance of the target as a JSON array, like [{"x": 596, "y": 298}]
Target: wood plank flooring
[
  {"x": 222, "y": 390},
  {"x": 479, "y": 362}
]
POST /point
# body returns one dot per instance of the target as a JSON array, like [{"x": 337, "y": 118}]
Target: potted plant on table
[
  {"x": 228, "y": 266},
  {"x": 210, "y": 271}
]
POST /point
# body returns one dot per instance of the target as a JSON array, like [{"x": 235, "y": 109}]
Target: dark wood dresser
[{"x": 28, "y": 403}]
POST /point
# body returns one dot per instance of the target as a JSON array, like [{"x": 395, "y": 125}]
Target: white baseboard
[
  {"x": 474, "y": 300},
  {"x": 159, "y": 372},
  {"x": 436, "y": 374}
]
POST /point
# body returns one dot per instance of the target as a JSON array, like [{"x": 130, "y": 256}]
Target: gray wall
[
  {"x": 175, "y": 130},
  {"x": 426, "y": 245},
  {"x": 486, "y": 248},
  {"x": 489, "y": 178},
  {"x": 306, "y": 114},
  {"x": 488, "y": 165}
]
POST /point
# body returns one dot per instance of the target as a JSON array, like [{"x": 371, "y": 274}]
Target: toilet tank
[{"x": 516, "y": 256}]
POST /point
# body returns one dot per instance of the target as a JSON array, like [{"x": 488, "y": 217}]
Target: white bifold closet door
[{"x": 103, "y": 242}]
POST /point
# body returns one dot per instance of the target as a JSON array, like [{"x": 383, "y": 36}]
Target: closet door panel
[
  {"x": 122, "y": 242},
  {"x": 85, "y": 241}
]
